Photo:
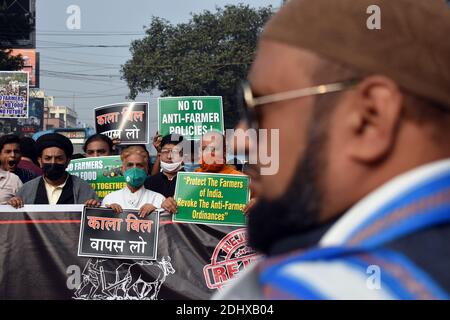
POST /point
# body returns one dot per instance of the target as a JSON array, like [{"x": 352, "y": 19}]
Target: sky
[{"x": 87, "y": 77}]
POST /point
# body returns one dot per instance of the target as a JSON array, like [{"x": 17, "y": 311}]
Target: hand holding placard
[{"x": 210, "y": 198}]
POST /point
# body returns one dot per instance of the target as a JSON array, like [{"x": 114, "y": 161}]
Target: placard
[
  {"x": 126, "y": 121},
  {"x": 211, "y": 198}
]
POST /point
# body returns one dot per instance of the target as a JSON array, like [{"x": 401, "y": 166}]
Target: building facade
[{"x": 62, "y": 116}]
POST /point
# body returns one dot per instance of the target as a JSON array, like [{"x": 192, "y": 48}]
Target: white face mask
[{"x": 171, "y": 167}]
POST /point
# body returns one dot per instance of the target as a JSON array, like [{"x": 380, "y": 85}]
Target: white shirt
[
  {"x": 54, "y": 192},
  {"x": 9, "y": 185},
  {"x": 128, "y": 200}
]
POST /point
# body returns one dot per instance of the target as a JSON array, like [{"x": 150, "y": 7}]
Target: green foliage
[
  {"x": 10, "y": 63},
  {"x": 209, "y": 55}
]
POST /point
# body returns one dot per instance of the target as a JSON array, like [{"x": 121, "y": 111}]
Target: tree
[
  {"x": 10, "y": 63},
  {"x": 208, "y": 55}
]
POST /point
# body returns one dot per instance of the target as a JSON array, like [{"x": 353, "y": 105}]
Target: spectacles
[
  {"x": 248, "y": 102},
  {"x": 172, "y": 152}
]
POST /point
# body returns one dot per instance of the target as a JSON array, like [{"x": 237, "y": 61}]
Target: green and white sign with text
[
  {"x": 210, "y": 198},
  {"x": 190, "y": 117},
  {"x": 104, "y": 174}
]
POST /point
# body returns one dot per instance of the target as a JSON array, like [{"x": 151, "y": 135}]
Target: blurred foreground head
[{"x": 390, "y": 114}]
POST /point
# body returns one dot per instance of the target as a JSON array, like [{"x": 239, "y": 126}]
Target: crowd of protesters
[
  {"x": 364, "y": 179},
  {"x": 34, "y": 172}
]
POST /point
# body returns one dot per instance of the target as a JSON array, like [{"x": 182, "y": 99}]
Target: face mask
[
  {"x": 191, "y": 167},
  {"x": 170, "y": 167},
  {"x": 54, "y": 171},
  {"x": 135, "y": 177}
]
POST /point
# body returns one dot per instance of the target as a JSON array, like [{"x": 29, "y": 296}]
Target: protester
[
  {"x": 171, "y": 162},
  {"x": 56, "y": 186},
  {"x": 9, "y": 185},
  {"x": 156, "y": 167},
  {"x": 213, "y": 154},
  {"x": 98, "y": 145},
  {"x": 134, "y": 195},
  {"x": 190, "y": 163},
  {"x": 140, "y": 146},
  {"x": 10, "y": 157},
  {"x": 212, "y": 160},
  {"x": 364, "y": 179},
  {"x": 28, "y": 161}
]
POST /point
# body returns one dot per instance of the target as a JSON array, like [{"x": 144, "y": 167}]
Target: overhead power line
[{"x": 62, "y": 50}]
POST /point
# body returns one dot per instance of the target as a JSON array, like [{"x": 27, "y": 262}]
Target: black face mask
[{"x": 54, "y": 171}]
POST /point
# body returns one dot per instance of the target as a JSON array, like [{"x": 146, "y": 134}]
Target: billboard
[
  {"x": 76, "y": 136},
  {"x": 13, "y": 94},
  {"x": 35, "y": 122},
  {"x": 19, "y": 32},
  {"x": 31, "y": 64}
]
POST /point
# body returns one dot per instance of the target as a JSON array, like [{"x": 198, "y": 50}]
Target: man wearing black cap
[
  {"x": 360, "y": 205},
  {"x": 57, "y": 186}
]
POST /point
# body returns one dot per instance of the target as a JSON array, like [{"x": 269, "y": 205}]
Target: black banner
[
  {"x": 125, "y": 121},
  {"x": 38, "y": 254},
  {"x": 105, "y": 234}
]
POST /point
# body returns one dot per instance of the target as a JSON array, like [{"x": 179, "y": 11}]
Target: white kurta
[{"x": 128, "y": 200}]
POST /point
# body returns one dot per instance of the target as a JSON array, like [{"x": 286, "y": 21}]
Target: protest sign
[
  {"x": 13, "y": 94},
  {"x": 126, "y": 121},
  {"x": 211, "y": 198},
  {"x": 104, "y": 233},
  {"x": 104, "y": 174},
  {"x": 190, "y": 117},
  {"x": 39, "y": 245}
]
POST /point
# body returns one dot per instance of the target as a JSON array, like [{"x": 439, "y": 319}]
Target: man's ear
[
  {"x": 39, "y": 159},
  {"x": 374, "y": 119}
]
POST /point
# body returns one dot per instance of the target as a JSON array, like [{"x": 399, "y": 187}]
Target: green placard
[
  {"x": 104, "y": 174},
  {"x": 210, "y": 198},
  {"x": 190, "y": 117}
]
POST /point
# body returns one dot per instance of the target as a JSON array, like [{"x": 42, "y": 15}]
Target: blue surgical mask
[
  {"x": 191, "y": 167},
  {"x": 135, "y": 177}
]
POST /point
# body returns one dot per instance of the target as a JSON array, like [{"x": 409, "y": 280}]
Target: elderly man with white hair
[{"x": 134, "y": 195}]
